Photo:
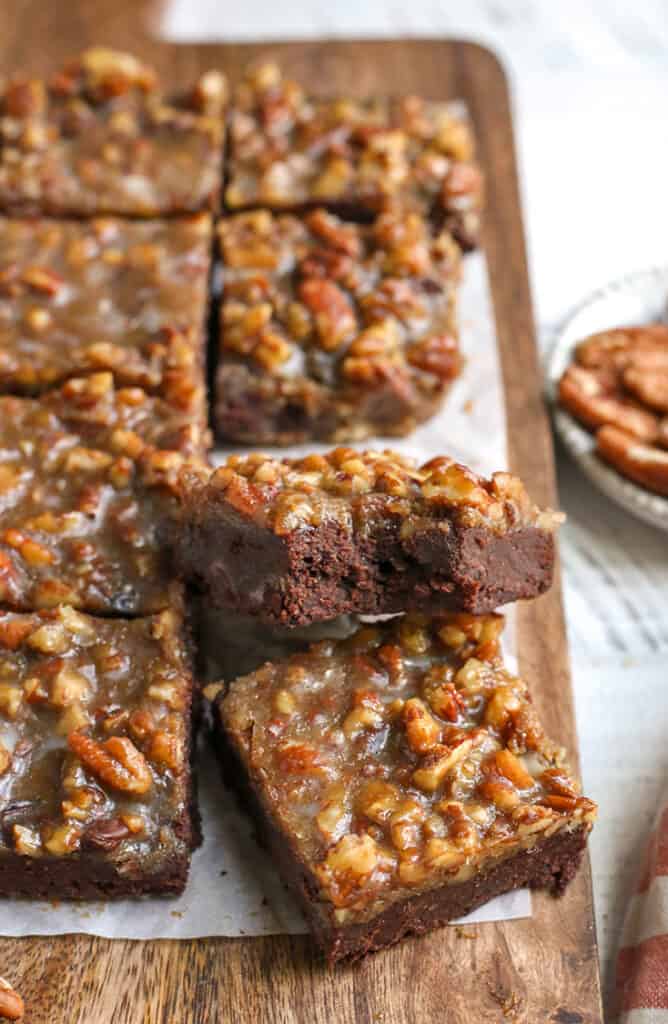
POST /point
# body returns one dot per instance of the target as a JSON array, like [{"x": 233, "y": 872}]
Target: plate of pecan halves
[{"x": 608, "y": 382}]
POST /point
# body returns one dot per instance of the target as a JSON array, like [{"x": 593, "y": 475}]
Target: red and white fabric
[{"x": 642, "y": 963}]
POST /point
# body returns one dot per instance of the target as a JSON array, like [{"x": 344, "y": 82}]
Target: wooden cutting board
[{"x": 544, "y": 969}]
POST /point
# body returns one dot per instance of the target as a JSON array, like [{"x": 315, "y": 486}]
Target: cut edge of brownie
[
  {"x": 318, "y": 574},
  {"x": 88, "y": 877},
  {"x": 550, "y": 864}
]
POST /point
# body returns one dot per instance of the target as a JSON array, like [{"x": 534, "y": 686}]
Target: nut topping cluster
[
  {"x": 617, "y": 387},
  {"x": 289, "y": 494},
  {"x": 101, "y": 137},
  {"x": 93, "y": 734},
  {"x": 289, "y": 149},
  {"x": 406, "y": 755},
  {"x": 333, "y": 330},
  {"x": 105, "y": 294},
  {"x": 83, "y": 502}
]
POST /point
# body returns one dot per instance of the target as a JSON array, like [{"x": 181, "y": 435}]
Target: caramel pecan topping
[
  {"x": 340, "y": 329},
  {"x": 288, "y": 493},
  {"x": 289, "y": 149},
  {"x": 85, "y": 496},
  {"x": 93, "y": 732},
  {"x": 79, "y": 297},
  {"x": 387, "y": 774},
  {"x": 101, "y": 136}
]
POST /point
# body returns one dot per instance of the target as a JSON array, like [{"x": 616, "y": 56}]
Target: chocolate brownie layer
[
  {"x": 400, "y": 778},
  {"x": 305, "y": 540},
  {"x": 95, "y": 750}
]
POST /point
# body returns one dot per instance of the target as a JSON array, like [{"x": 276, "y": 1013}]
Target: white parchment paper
[{"x": 233, "y": 888}]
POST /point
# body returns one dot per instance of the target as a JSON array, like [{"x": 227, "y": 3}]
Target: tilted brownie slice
[
  {"x": 106, "y": 294},
  {"x": 290, "y": 150},
  {"x": 95, "y": 742},
  {"x": 84, "y": 498},
  {"x": 100, "y": 136},
  {"x": 304, "y": 540},
  {"x": 331, "y": 330},
  {"x": 400, "y": 778}
]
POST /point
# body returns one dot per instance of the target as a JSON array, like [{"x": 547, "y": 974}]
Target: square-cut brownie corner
[
  {"x": 304, "y": 540},
  {"x": 291, "y": 150},
  {"x": 95, "y": 748},
  {"x": 102, "y": 136},
  {"x": 400, "y": 778},
  {"x": 331, "y": 330}
]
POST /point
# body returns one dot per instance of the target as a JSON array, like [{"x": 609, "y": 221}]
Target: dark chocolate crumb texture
[
  {"x": 95, "y": 723},
  {"x": 304, "y": 540},
  {"x": 400, "y": 778}
]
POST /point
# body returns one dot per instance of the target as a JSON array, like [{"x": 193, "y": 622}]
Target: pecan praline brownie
[
  {"x": 304, "y": 540},
  {"x": 106, "y": 294},
  {"x": 290, "y": 150},
  {"x": 101, "y": 136},
  {"x": 333, "y": 331},
  {"x": 400, "y": 778},
  {"x": 95, "y": 742},
  {"x": 83, "y": 503}
]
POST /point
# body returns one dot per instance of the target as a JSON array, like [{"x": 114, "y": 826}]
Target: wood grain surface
[{"x": 539, "y": 970}]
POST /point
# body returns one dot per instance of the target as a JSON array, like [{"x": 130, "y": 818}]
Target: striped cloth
[{"x": 642, "y": 964}]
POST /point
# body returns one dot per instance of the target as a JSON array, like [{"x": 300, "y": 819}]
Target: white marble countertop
[{"x": 590, "y": 80}]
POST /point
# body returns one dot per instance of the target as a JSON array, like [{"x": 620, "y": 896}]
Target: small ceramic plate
[{"x": 636, "y": 299}]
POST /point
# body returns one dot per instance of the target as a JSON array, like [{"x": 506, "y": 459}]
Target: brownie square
[
  {"x": 106, "y": 294},
  {"x": 331, "y": 330},
  {"x": 289, "y": 150},
  {"x": 85, "y": 497},
  {"x": 400, "y": 778},
  {"x": 295, "y": 541},
  {"x": 95, "y": 745},
  {"x": 101, "y": 136}
]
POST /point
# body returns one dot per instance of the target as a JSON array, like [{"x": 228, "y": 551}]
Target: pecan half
[
  {"x": 116, "y": 762},
  {"x": 11, "y": 1003}
]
